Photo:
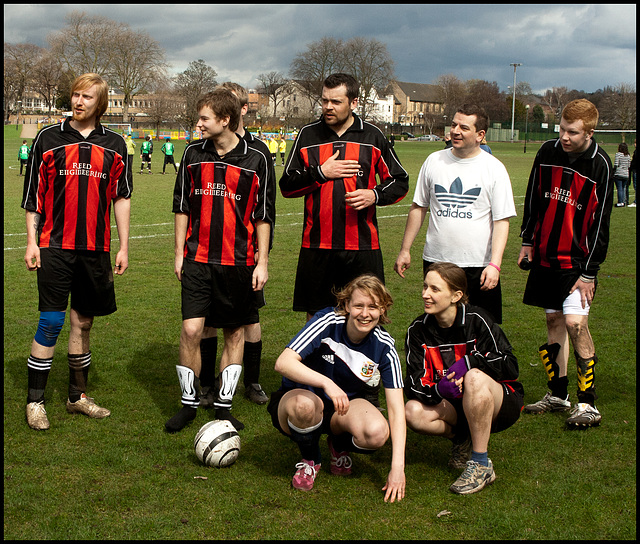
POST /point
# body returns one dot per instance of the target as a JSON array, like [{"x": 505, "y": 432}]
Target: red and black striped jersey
[
  {"x": 224, "y": 198},
  {"x": 328, "y": 222},
  {"x": 71, "y": 181},
  {"x": 567, "y": 208}
]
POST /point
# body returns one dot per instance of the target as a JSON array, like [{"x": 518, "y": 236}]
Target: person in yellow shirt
[{"x": 282, "y": 147}]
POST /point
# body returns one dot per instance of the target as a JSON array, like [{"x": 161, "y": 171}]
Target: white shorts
[{"x": 572, "y": 305}]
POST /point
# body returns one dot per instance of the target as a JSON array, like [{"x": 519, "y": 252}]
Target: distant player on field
[
  {"x": 168, "y": 148},
  {"x": 76, "y": 170},
  {"x": 23, "y": 155},
  {"x": 146, "y": 149},
  {"x": 565, "y": 236}
]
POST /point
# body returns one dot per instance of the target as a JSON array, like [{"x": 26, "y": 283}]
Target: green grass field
[{"x": 125, "y": 478}]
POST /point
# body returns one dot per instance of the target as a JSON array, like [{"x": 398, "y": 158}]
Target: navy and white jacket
[{"x": 325, "y": 347}]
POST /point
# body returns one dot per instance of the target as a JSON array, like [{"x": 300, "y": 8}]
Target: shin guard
[{"x": 586, "y": 379}]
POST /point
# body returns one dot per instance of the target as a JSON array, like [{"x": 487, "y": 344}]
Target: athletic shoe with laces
[
  {"x": 460, "y": 454},
  {"x": 37, "y": 416},
  {"x": 87, "y": 406},
  {"x": 255, "y": 394},
  {"x": 549, "y": 403},
  {"x": 584, "y": 415},
  {"x": 340, "y": 461},
  {"x": 305, "y": 475},
  {"x": 474, "y": 478}
]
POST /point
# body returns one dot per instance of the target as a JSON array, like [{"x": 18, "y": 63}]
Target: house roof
[{"x": 420, "y": 92}]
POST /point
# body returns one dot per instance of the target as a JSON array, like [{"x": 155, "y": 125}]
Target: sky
[{"x": 580, "y": 46}]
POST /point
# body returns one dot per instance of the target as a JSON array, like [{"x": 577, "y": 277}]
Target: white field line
[{"x": 23, "y": 235}]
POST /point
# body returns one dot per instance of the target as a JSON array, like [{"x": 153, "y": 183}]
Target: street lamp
[
  {"x": 513, "y": 103},
  {"x": 526, "y": 128},
  {"x": 18, "y": 115}
]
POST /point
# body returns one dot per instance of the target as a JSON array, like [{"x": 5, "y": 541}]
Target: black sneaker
[{"x": 255, "y": 394}]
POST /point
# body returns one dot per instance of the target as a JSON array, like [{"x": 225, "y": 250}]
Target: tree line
[{"x": 134, "y": 63}]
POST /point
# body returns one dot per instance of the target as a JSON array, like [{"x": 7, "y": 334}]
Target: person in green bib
[
  {"x": 168, "y": 149},
  {"x": 145, "y": 153},
  {"x": 23, "y": 155}
]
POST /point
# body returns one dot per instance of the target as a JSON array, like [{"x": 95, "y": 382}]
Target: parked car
[
  {"x": 429, "y": 138},
  {"x": 408, "y": 134}
]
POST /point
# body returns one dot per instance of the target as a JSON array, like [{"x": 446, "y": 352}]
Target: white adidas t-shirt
[{"x": 465, "y": 197}]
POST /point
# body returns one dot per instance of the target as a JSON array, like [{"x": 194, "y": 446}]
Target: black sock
[
  {"x": 181, "y": 419},
  {"x": 78, "y": 373},
  {"x": 251, "y": 362},
  {"x": 308, "y": 441},
  {"x": 225, "y": 413},
  {"x": 38, "y": 374},
  {"x": 344, "y": 442},
  {"x": 208, "y": 354}
]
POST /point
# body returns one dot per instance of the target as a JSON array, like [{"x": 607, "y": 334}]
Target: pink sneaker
[
  {"x": 306, "y": 475},
  {"x": 340, "y": 461}
]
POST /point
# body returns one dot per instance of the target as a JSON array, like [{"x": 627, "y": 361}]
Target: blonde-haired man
[{"x": 76, "y": 170}]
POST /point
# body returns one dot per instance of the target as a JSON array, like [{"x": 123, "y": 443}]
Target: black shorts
[
  {"x": 168, "y": 159},
  {"x": 547, "y": 288},
  {"x": 146, "y": 157},
  {"x": 86, "y": 275},
  {"x": 327, "y": 411},
  {"x": 512, "y": 404},
  {"x": 222, "y": 294},
  {"x": 490, "y": 300},
  {"x": 321, "y": 271}
]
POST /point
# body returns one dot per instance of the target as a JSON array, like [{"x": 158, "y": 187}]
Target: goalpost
[{"x": 119, "y": 127}]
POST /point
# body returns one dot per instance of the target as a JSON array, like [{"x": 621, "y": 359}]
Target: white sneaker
[
  {"x": 37, "y": 416},
  {"x": 584, "y": 415}
]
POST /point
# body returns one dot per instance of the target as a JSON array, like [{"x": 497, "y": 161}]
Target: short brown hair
[
  {"x": 454, "y": 276},
  {"x": 351, "y": 84},
  {"x": 373, "y": 287},
  {"x": 85, "y": 81},
  {"x": 238, "y": 90},
  {"x": 482, "y": 119},
  {"x": 581, "y": 109},
  {"x": 223, "y": 103}
]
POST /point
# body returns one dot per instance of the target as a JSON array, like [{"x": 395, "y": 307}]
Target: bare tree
[
  {"x": 311, "y": 67},
  {"x": 19, "y": 64},
  {"x": 198, "y": 79},
  {"x": 370, "y": 63},
  {"x": 488, "y": 96},
  {"x": 618, "y": 108},
  {"x": 141, "y": 61},
  {"x": 452, "y": 93},
  {"x": 275, "y": 86},
  {"x": 556, "y": 99},
  {"x": 86, "y": 43},
  {"x": 128, "y": 59},
  {"x": 366, "y": 59},
  {"x": 46, "y": 78}
]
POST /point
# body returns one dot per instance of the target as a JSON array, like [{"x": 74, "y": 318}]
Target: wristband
[{"x": 495, "y": 266}]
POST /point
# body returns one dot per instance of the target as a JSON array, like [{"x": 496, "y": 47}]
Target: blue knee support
[{"x": 49, "y": 328}]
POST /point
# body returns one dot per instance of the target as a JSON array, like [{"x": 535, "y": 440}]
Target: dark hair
[
  {"x": 623, "y": 148},
  {"x": 482, "y": 119},
  {"x": 223, "y": 103},
  {"x": 454, "y": 276},
  {"x": 350, "y": 82}
]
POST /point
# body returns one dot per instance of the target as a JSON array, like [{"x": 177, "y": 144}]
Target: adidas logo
[
  {"x": 454, "y": 199},
  {"x": 328, "y": 358}
]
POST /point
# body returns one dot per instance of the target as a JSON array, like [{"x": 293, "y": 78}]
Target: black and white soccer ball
[{"x": 217, "y": 443}]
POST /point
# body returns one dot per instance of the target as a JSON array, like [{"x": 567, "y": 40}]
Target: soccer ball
[
  {"x": 177, "y": 165},
  {"x": 217, "y": 443}
]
